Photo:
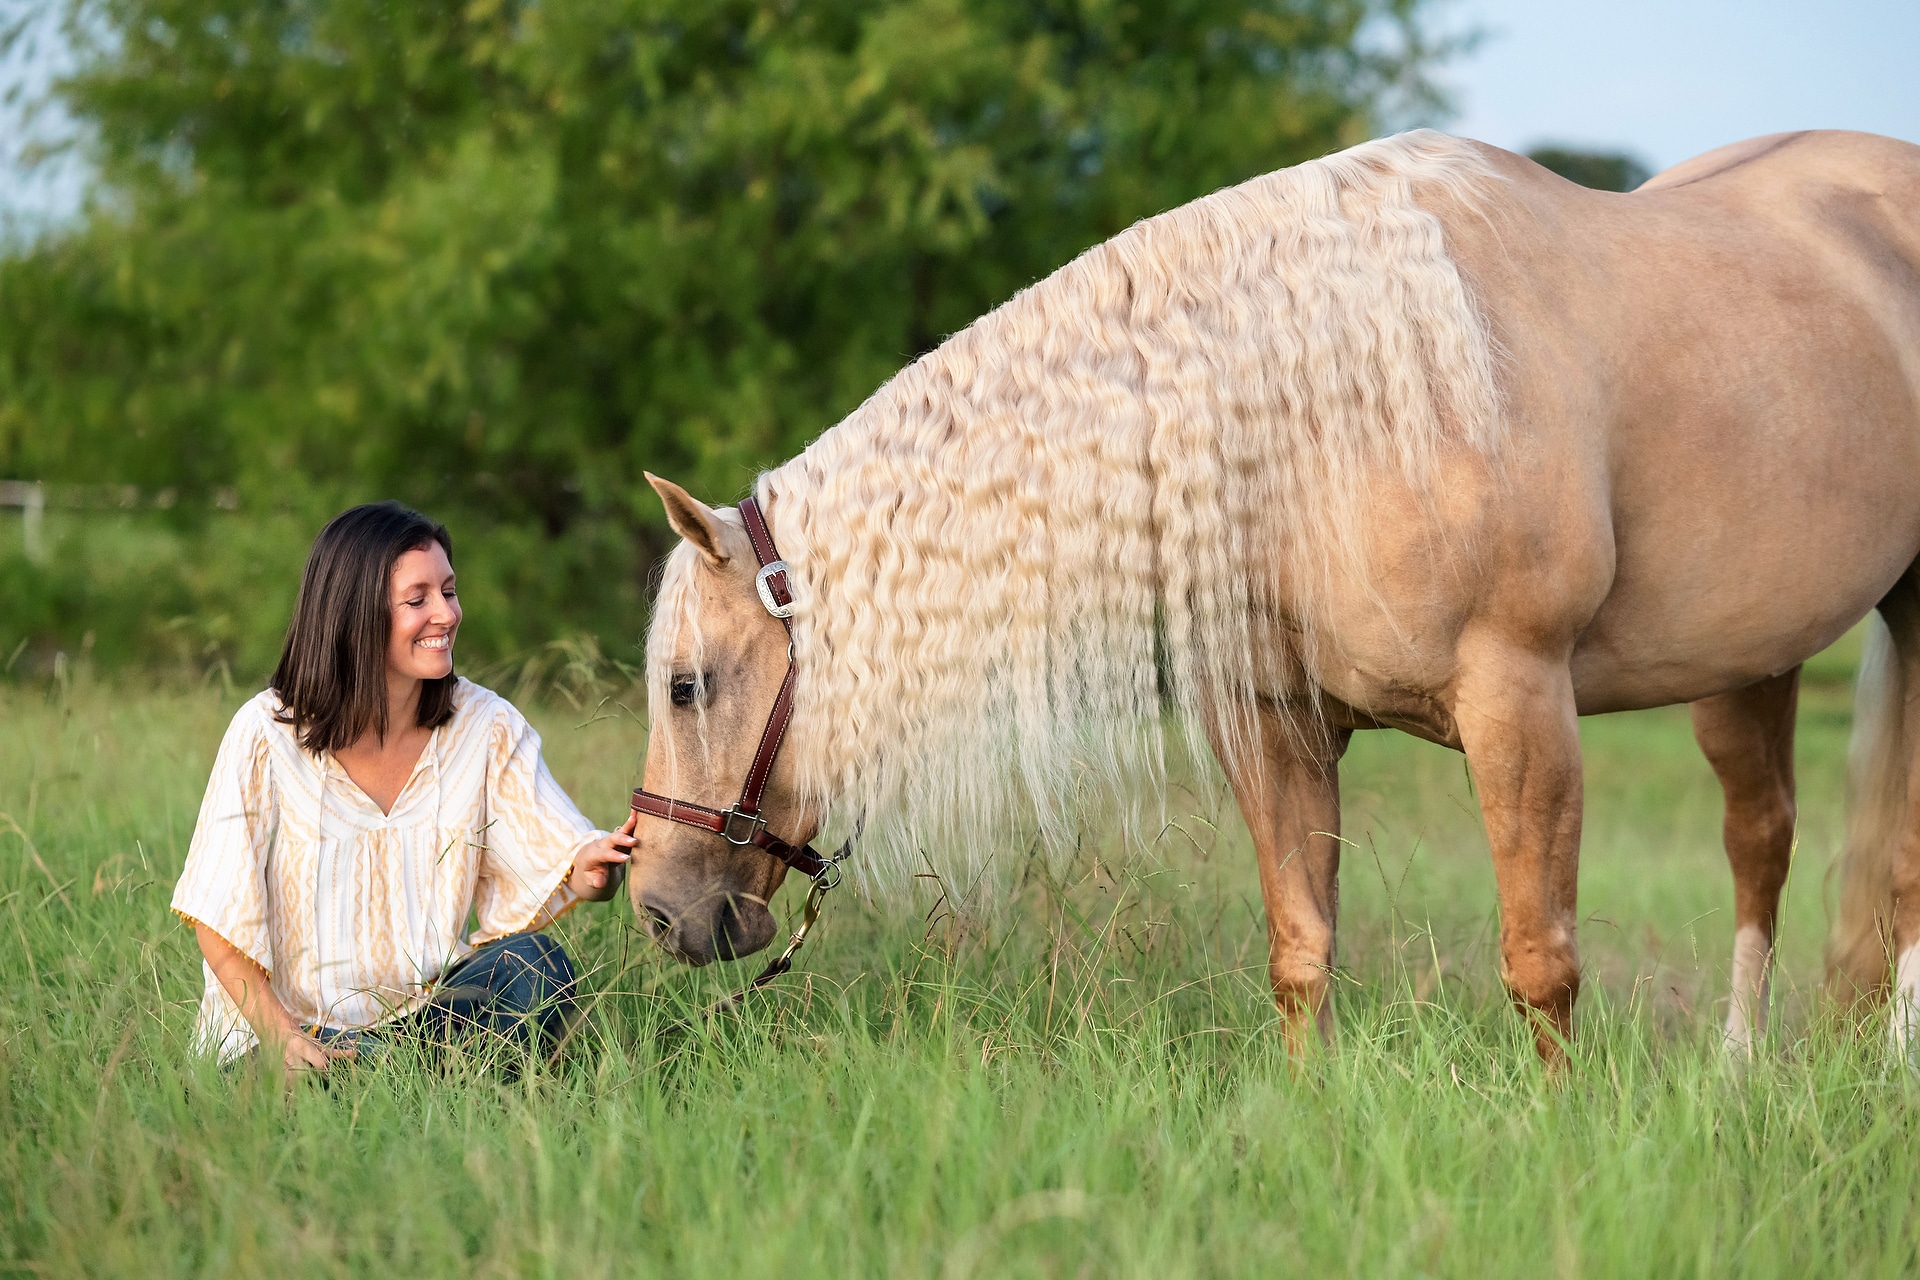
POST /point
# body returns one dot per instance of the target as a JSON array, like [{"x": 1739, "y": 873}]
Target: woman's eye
[
  {"x": 415, "y": 604},
  {"x": 681, "y": 691}
]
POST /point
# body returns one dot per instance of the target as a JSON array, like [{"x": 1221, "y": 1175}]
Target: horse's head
[{"x": 715, "y": 661}]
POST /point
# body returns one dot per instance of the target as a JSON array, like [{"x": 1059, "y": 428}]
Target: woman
[{"x": 364, "y": 808}]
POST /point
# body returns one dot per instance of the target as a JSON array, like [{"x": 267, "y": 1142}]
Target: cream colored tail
[{"x": 1859, "y": 949}]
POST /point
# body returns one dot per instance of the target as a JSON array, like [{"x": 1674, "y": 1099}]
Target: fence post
[
  {"x": 31, "y": 497},
  {"x": 33, "y": 515}
]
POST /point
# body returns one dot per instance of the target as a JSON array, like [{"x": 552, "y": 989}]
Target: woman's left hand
[{"x": 599, "y": 867}]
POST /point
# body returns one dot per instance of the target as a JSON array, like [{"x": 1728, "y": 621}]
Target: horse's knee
[
  {"x": 1298, "y": 988},
  {"x": 1299, "y": 962},
  {"x": 1300, "y": 992},
  {"x": 1298, "y": 975},
  {"x": 1543, "y": 975}
]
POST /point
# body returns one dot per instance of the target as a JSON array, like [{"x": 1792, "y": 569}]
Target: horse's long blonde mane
[{"x": 1035, "y": 542}]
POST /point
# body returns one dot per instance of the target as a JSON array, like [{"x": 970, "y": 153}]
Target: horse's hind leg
[
  {"x": 1289, "y": 794},
  {"x": 1890, "y": 780},
  {"x": 1747, "y": 736},
  {"x": 1880, "y": 866}
]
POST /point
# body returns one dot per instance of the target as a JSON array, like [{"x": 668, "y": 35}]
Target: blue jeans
[{"x": 517, "y": 988}]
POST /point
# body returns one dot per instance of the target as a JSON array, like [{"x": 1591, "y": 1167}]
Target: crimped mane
[{"x": 1035, "y": 541}]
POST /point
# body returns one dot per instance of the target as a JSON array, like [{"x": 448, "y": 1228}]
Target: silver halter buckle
[
  {"x": 755, "y": 825},
  {"x": 765, "y": 589}
]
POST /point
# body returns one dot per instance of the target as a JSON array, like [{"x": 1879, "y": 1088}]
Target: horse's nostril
[
  {"x": 725, "y": 925},
  {"x": 660, "y": 921}
]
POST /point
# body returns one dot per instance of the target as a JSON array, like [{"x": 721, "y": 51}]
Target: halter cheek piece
[{"x": 743, "y": 824}]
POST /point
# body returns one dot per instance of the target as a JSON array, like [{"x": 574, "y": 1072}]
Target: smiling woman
[{"x": 368, "y": 804}]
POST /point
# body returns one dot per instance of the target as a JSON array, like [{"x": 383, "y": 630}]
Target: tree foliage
[
  {"x": 495, "y": 258},
  {"x": 1601, "y": 170}
]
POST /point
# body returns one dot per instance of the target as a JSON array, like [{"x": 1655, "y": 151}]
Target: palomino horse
[{"x": 1415, "y": 436}]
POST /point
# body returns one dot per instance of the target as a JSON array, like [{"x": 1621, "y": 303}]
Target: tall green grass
[{"x": 1081, "y": 1079}]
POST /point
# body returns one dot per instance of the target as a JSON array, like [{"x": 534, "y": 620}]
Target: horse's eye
[{"x": 681, "y": 691}]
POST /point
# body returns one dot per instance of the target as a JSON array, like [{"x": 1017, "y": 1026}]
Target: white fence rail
[{"x": 33, "y": 498}]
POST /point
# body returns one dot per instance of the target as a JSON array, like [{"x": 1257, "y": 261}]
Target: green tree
[
  {"x": 1601, "y": 170},
  {"x": 495, "y": 258}
]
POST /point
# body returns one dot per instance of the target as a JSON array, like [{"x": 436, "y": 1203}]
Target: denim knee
[
  {"x": 530, "y": 969},
  {"x": 511, "y": 986}
]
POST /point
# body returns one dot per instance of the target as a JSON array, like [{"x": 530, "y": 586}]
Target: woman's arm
[
  {"x": 541, "y": 855},
  {"x": 246, "y": 982}
]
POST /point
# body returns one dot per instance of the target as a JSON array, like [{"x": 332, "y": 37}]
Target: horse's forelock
[{"x": 673, "y": 635}]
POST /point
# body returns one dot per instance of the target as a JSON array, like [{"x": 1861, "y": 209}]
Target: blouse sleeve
[
  {"x": 533, "y": 834},
  {"x": 224, "y": 884}
]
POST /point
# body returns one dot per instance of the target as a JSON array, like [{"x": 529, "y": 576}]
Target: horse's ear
[{"x": 691, "y": 518}]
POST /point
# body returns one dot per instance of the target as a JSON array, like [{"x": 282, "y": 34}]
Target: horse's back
[
  {"x": 1855, "y": 196},
  {"x": 1788, "y": 162}
]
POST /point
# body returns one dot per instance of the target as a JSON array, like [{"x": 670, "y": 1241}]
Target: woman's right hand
[
  {"x": 301, "y": 1053},
  {"x": 247, "y": 983}
]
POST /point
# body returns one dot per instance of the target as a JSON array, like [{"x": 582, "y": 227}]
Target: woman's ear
[{"x": 690, "y": 518}]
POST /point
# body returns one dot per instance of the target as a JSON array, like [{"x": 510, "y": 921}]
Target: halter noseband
[{"x": 743, "y": 825}]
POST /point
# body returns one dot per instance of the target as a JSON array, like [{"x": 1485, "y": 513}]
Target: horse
[{"x": 1415, "y": 436}]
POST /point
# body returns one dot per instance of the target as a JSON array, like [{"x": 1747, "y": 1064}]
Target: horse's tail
[{"x": 1860, "y": 947}]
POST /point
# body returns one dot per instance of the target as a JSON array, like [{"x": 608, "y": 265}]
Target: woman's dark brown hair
[{"x": 332, "y": 677}]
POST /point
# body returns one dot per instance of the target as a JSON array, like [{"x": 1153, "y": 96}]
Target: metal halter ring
[{"x": 765, "y": 589}]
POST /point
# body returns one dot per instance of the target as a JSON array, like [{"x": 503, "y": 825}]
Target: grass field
[{"x": 1081, "y": 1080}]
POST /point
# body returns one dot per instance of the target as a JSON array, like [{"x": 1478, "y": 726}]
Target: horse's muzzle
[{"x": 734, "y": 927}]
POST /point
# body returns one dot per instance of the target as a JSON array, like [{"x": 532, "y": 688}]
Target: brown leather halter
[{"x": 743, "y": 825}]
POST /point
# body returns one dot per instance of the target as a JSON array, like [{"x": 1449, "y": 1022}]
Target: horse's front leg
[
  {"x": 1514, "y": 710},
  {"x": 1288, "y": 788}
]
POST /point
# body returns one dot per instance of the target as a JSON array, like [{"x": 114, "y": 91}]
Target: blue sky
[
  {"x": 1662, "y": 80},
  {"x": 1670, "y": 80}
]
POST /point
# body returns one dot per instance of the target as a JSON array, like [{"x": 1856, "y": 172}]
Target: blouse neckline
[{"x": 401, "y": 801}]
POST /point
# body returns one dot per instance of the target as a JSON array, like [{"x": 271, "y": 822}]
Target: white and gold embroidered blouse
[{"x": 354, "y": 913}]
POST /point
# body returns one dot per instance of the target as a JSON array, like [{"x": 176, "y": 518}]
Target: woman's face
[{"x": 426, "y": 613}]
